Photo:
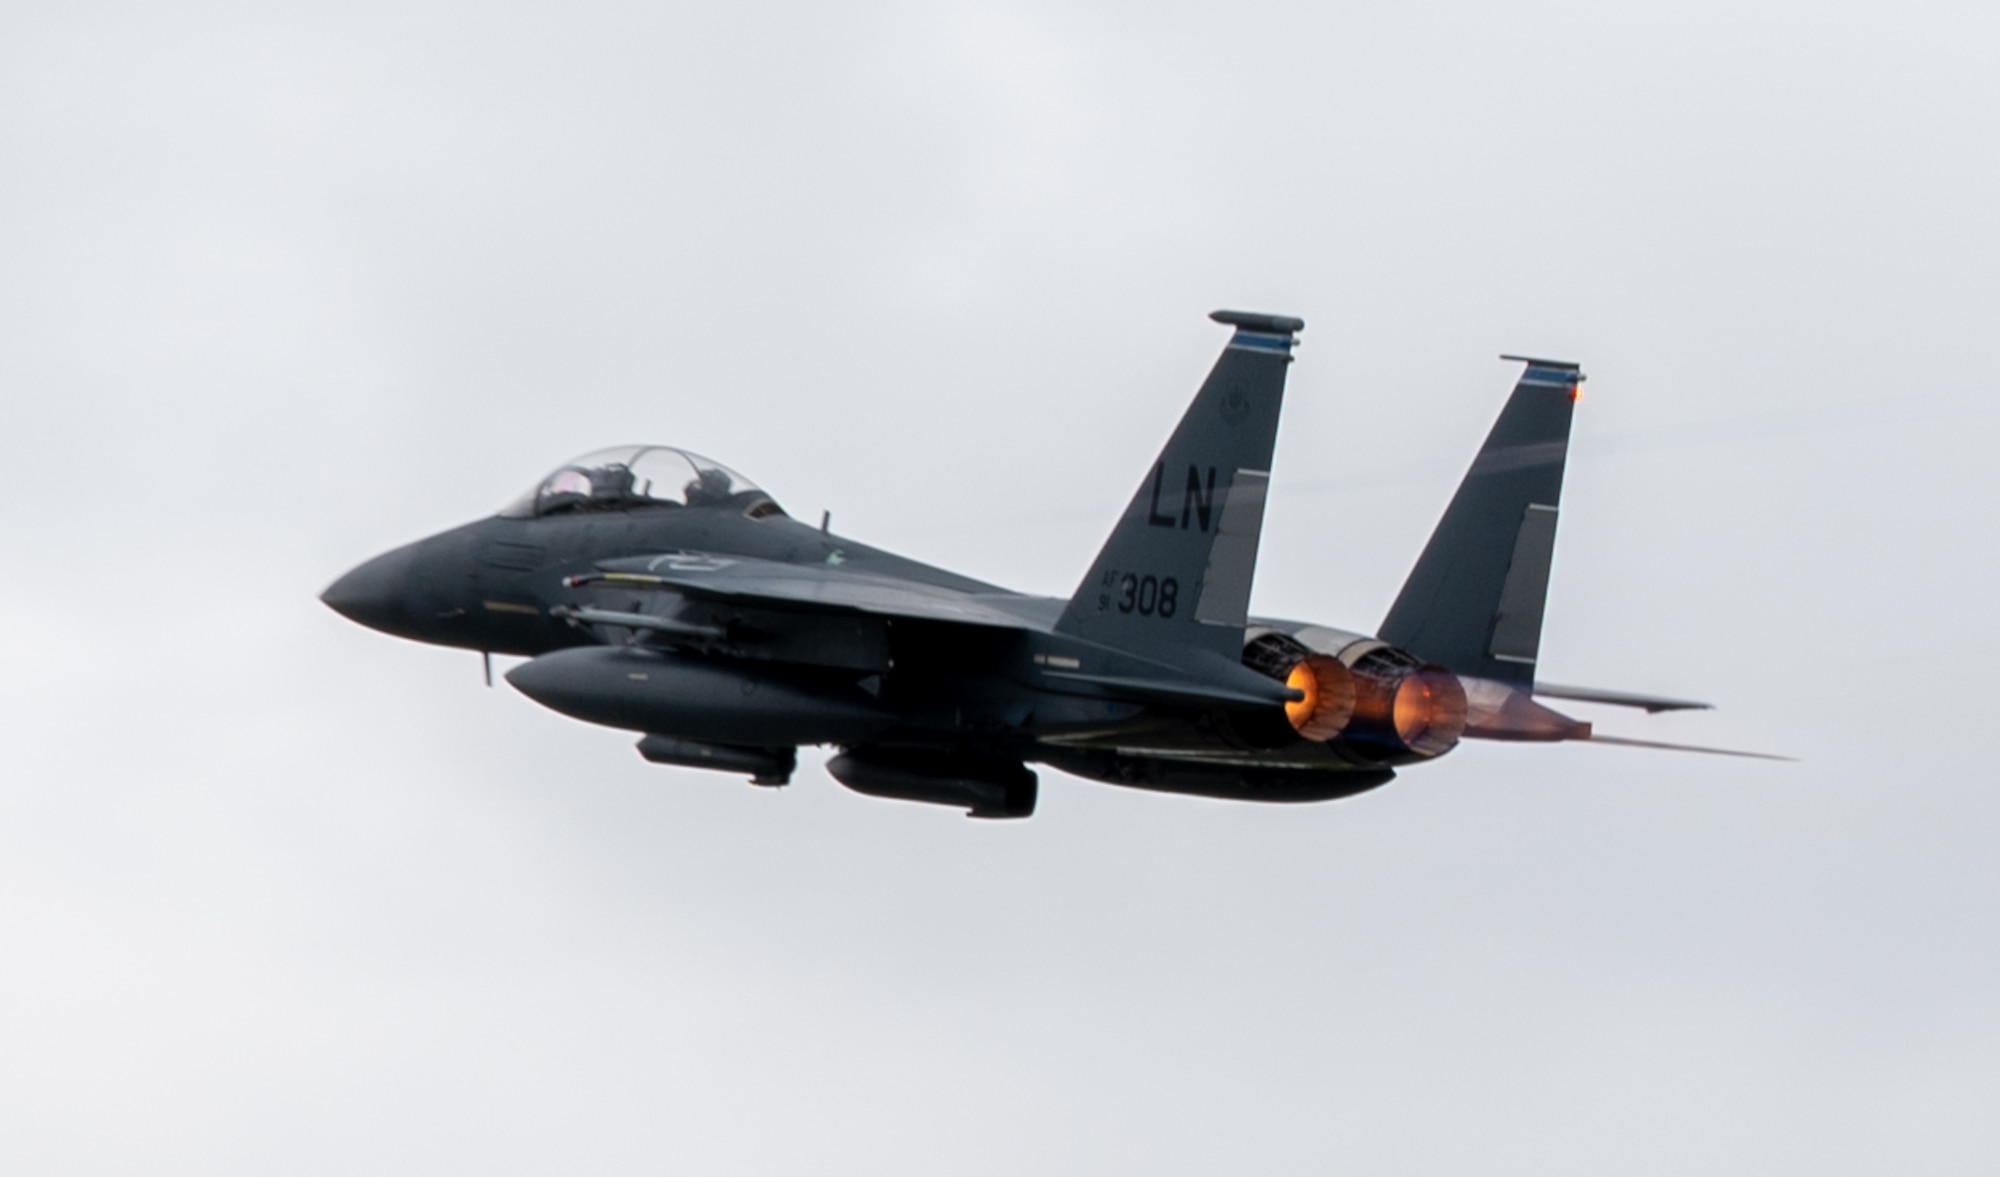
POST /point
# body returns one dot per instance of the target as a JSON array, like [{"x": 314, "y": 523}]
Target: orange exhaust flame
[
  {"x": 1329, "y": 697},
  {"x": 1429, "y": 711}
]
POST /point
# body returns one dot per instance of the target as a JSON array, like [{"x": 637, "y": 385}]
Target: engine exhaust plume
[
  {"x": 1329, "y": 697},
  {"x": 1421, "y": 708}
]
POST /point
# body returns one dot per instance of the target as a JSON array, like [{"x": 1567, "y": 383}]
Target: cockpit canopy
[{"x": 637, "y": 477}]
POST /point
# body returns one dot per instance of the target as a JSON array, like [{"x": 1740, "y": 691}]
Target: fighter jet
[{"x": 659, "y": 592}]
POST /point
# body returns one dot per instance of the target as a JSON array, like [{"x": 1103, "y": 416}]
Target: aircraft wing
[{"x": 822, "y": 586}]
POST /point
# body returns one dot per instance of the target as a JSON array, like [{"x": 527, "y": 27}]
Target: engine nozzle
[
  {"x": 1423, "y": 709},
  {"x": 1329, "y": 700}
]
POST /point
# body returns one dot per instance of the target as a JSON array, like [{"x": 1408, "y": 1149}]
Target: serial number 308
[{"x": 1149, "y": 596}]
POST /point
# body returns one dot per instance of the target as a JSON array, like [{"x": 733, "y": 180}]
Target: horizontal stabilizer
[
  {"x": 1650, "y": 703},
  {"x": 1665, "y": 747}
]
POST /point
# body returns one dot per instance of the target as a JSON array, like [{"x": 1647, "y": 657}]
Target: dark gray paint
[
  {"x": 1171, "y": 531},
  {"x": 733, "y": 634},
  {"x": 1473, "y": 602}
]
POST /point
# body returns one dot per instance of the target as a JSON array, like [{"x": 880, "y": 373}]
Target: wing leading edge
[{"x": 827, "y": 587}]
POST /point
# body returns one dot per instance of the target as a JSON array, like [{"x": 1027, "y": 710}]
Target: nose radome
[{"x": 376, "y": 593}]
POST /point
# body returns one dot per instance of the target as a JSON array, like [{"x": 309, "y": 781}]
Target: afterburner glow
[{"x": 1329, "y": 697}]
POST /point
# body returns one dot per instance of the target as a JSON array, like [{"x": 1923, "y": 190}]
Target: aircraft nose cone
[{"x": 375, "y": 594}]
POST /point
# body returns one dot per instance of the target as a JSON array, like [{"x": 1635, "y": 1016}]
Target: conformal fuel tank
[{"x": 701, "y": 698}]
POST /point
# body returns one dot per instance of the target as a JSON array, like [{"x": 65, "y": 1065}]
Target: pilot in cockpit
[
  {"x": 709, "y": 485},
  {"x": 611, "y": 484},
  {"x": 635, "y": 478}
]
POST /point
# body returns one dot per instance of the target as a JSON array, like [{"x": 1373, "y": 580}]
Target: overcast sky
[{"x": 285, "y": 286}]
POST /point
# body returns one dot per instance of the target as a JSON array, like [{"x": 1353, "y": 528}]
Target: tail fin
[
  {"x": 1175, "y": 574},
  {"x": 1473, "y": 604}
]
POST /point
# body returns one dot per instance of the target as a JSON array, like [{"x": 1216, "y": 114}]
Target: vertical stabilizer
[
  {"x": 1175, "y": 574},
  {"x": 1473, "y": 604}
]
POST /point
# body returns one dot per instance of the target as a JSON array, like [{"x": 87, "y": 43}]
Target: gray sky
[{"x": 284, "y": 289}]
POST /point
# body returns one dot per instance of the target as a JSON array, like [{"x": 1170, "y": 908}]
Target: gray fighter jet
[{"x": 659, "y": 592}]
